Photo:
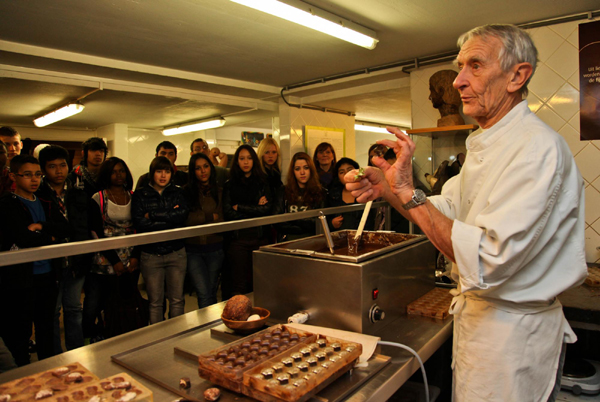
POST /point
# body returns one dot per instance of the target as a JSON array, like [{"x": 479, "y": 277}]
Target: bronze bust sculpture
[{"x": 445, "y": 98}]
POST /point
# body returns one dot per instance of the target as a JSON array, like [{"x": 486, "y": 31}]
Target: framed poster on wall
[
  {"x": 589, "y": 80},
  {"x": 313, "y": 136}
]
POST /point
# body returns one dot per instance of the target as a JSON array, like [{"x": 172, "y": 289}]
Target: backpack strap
[{"x": 103, "y": 205}]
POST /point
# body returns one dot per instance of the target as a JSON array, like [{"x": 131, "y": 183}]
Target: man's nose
[{"x": 460, "y": 80}]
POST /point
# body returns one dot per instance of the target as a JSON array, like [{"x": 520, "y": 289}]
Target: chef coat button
[{"x": 469, "y": 202}]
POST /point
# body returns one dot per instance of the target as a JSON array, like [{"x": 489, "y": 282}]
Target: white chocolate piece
[
  {"x": 43, "y": 393},
  {"x": 253, "y": 317},
  {"x": 127, "y": 397}
]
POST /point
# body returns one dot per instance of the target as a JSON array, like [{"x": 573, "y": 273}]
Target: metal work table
[{"x": 425, "y": 335}]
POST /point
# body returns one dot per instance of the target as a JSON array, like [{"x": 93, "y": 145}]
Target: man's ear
[
  {"x": 12, "y": 176},
  {"x": 519, "y": 75}
]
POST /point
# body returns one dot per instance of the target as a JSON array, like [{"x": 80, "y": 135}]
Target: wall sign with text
[{"x": 589, "y": 80}]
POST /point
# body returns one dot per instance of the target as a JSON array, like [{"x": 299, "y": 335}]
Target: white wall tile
[
  {"x": 564, "y": 60},
  {"x": 574, "y": 122},
  {"x": 596, "y": 227},
  {"x": 566, "y": 29},
  {"x": 565, "y": 102},
  {"x": 592, "y": 241},
  {"x": 571, "y": 136},
  {"x": 534, "y": 102},
  {"x": 546, "y": 41},
  {"x": 596, "y": 183},
  {"x": 574, "y": 80},
  {"x": 592, "y": 204},
  {"x": 574, "y": 38},
  {"x": 587, "y": 161},
  {"x": 545, "y": 82},
  {"x": 551, "y": 118}
]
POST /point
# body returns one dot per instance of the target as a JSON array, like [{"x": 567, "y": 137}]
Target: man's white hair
[{"x": 517, "y": 46}]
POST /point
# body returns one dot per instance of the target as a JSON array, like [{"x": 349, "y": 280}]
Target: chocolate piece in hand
[
  {"x": 212, "y": 394},
  {"x": 185, "y": 382}
]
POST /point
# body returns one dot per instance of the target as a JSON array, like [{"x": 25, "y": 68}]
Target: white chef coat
[{"x": 518, "y": 240}]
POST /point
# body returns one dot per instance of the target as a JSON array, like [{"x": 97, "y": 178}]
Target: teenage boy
[
  {"x": 85, "y": 174},
  {"x": 80, "y": 218},
  {"x": 27, "y": 291},
  {"x": 12, "y": 139},
  {"x": 169, "y": 150}
]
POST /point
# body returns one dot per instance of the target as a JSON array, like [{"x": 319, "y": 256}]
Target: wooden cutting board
[{"x": 433, "y": 304}]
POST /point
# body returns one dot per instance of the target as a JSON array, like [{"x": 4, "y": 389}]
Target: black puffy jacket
[
  {"x": 168, "y": 210},
  {"x": 83, "y": 218},
  {"x": 246, "y": 193}
]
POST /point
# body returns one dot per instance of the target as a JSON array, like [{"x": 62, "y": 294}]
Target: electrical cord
[{"x": 401, "y": 346}]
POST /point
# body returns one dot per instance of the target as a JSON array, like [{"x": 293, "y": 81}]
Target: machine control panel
[{"x": 376, "y": 313}]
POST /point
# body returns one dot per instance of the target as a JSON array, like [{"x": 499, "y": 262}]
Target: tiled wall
[{"x": 554, "y": 97}]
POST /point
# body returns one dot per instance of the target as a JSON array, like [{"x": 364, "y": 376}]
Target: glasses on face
[{"x": 29, "y": 176}]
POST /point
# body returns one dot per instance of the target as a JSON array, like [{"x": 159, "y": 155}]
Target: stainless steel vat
[{"x": 360, "y": 293}]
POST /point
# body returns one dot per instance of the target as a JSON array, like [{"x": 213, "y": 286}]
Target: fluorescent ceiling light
[
  {"x": 371, "y": 129},
  {"x": 317, "y": 19},
  {"x": 62, "y": 113},
  {"x": 204, "y": 125}
]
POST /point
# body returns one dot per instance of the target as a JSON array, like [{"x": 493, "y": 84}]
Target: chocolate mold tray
[
  {"x": 279, "y": 364},
  {"x": 226, "y": 365},
  {"x": 56, "y": 381},
  {"x": 117, "y": 388},
  {"x": 299, "y": 373}
]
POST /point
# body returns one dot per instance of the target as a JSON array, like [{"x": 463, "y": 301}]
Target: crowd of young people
[{"x": 44, "y": 204}]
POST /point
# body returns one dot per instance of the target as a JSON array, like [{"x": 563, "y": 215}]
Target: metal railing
[{"x": 90, "y": 246}]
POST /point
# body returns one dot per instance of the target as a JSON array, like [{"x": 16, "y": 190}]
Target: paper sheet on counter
[{"x": 368, "y": 342}]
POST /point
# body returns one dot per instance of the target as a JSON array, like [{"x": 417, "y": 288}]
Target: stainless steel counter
[{"x": 422, "y": 334}]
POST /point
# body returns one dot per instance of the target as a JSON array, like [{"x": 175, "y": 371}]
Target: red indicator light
[{"x": 375, "y": 294}]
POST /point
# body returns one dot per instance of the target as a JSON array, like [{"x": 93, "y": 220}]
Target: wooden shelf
[{"x": 442, "y": 130}]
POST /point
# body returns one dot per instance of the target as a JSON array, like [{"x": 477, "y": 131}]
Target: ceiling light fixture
[
  {"x": 59, "y": 114},
  {"x": 317, "y": 19},
  {"x": 371, "y": 129},
  {"x": 188, "y": 128}
]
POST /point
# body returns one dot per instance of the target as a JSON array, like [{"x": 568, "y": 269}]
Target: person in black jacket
[
  {"x": 168, "y": 150},
  {"x": 27, "y": 291},
  {"x": 161, "y": 205},
  {"x": 84, "y": 175},
  {"x": 245, "y": 195},
  {"x": 269, "y": 157},
  {"x": 82, "y": 221},
  {"x": 302, "y": 192},
  {"x": 339, "y": 196},
  {"x": 325, "y": 160}
]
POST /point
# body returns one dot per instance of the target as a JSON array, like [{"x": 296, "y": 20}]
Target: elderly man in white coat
[{"x": 512, "y": 222}]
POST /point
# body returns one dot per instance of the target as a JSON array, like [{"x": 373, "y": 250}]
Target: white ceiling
[{"x": 161, "y": 63}]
